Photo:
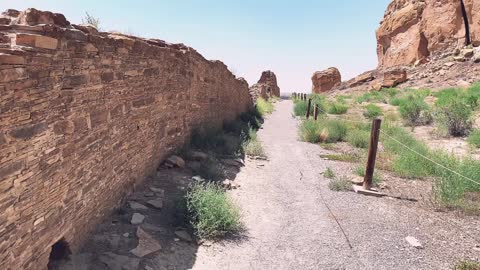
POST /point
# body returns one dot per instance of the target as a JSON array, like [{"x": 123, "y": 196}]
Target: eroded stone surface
[{"x": 326, "y": 80}]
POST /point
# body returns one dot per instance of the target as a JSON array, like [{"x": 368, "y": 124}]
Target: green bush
[
  {"x": 212, "y": 213},
  {"x": 324, "y": 130},
  {"x": 300, "y": 107},
  {"x": 392, "y": 92},
  {"x": 340, "y": 184},
  {"x": 453, "y": 117},
  {"x": 329, "y": 173},
  {"x": 467, "y": 265},
  {"x": 358, "y": 138},
  {"x": 374, "y": 96},
  {"x": 337, "y": 108},
  {"x": 474, "y": 138},
  {"x": 264, "y": 107},
  {"x": 372, "y": 111},
  {"x": 415, "y": 111},
  {"x": 253, "y": 147}
]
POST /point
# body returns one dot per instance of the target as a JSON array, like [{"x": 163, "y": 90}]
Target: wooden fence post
[
  {"x": 372, "y": 154},
  {"x": 309, "y": 107},
  {"x": 315, "y": 112}
]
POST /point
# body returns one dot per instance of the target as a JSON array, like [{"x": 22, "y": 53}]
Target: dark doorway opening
[
  {"x": 468, "y": 40},
  {"x": 60, "y": 251}
]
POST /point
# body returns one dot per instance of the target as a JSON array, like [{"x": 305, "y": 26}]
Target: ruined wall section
[{"x": 86, "y": 115}]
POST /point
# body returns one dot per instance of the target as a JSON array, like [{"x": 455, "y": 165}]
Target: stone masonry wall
[{"x": 84, "y": 116}]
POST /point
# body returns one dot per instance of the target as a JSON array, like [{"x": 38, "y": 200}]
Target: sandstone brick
[
  {"x": 9, "y": 169},
  {"x": 8, "y": 59},
  {"x": 36, "y": 41},
  {"x": 87, "y": 120},
  {"x": 28, "y": 131},
  {"x": 12, "y": 74}
]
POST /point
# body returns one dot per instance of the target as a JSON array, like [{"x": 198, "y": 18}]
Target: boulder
[
  {"x": 146, "y": 244},
  {"x": 137, "y": 219},
  {"x": 362, "y": 78},
  {"x": 33, "y": 16},
  {"x": 394, "y": 77},
  {"x": 326, "y": 80},
  {"x": 175, "y": 161},
  {"x": 413, "y": 30}
]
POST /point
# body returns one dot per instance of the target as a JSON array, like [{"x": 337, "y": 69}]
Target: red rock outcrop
[
  {"x": 413, "y": 30},
  {"x": 84, "y": 117},
  {"x": 326, "y": 80},
  {"x": 266, "y": 87}
]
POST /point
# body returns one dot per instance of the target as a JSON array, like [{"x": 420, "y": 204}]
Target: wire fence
[{"x": 339, "y": 117}]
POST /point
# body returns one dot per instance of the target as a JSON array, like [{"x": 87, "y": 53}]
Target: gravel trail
[{"x": 287, "y": 210}]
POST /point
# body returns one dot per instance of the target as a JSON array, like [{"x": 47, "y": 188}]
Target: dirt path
[{"x": 285, "y": 204}]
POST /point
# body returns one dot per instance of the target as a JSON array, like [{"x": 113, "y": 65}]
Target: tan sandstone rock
[
  {"x": 266, "y": 87},
  {"x": 413, "y": 30},
  {"x": 326, "y": 80}
]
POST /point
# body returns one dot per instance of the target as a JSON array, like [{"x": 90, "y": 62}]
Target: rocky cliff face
[{"x": 414, "y": 30}]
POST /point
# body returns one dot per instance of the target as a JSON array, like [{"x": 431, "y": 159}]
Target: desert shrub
[
  {"x": 212, "y": 213},
  {"x": 252, "y": 146},
  {"x": 391, "y": 116},
  {"x": 358, "y": 138},
  {"x": 253, "y": 118},
  {"x": 324, "y": 130},
  {"x": 474, "y": 138},
  {"x": 392, "y": 92},
  {"x": 337, "y": 108},
  {"x": 264, "y": 107},
  {"x": 333, "y": 131},
  {"x": 453, "y": 117},
  {"x": 405, "y": 162},
  {"x": 374, "y": 96},
  {"x": 340, "y": 184},
  {"x": 467, "y": 265},
  {"x": 92, "y": 20},
  {"x": 415, "y": 111},
  {"x": 372, "y": 111},
  {"x": 397, "y": 101},
  {"x": 329, "y": 173}
]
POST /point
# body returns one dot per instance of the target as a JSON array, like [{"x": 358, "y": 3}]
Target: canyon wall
[
  {"x": 84, "y": 116},
  {"x": 413, "y": 30}
]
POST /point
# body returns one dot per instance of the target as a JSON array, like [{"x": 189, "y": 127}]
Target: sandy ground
[
  {"x": 291, "y": 218},
  {"x": 289, "y": 226}
]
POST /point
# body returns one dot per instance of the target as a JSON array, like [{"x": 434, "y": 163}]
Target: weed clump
[
  {"x": 340, "y": 184},
  {"x": 474, "y": 138},
  {"x": 415, "y": 111},
  {"x": 372, "y": 111},
  {"x": 329, "y": 173},
  {"x": 337, "y": 108},
  {"x": 324, "y": 130},
  {"x": 358, "y": 138},
  {"x": 212, "y": 213},
  {"x": 453, "y": 118},
  {"x": 264, "y": 107}
]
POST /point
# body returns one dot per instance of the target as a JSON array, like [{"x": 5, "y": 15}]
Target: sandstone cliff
[
  {"x": 413, "y": 30},
  {"x": 84, "y": 116}
]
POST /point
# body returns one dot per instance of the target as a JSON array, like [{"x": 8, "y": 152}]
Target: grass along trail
[{"x": 287, "y": 211}]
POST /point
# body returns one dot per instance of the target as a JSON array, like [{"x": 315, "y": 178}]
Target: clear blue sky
[{"x": 292, "y": 38}]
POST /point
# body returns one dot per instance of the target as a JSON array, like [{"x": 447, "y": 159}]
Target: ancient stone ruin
[
  {"x": 414, "y": 30},
  {"x": 326, "y": 80},
  {"x": 266, "y": 87},
  {"x": 85, "y": 116}
]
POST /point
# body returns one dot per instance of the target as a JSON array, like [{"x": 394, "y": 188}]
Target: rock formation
[
  {"x": 326, "y": 80},
  {"x": 413, "y": 30},
  {"x": 266, "y": 87},
  {"x": 85, "y": 116}
]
